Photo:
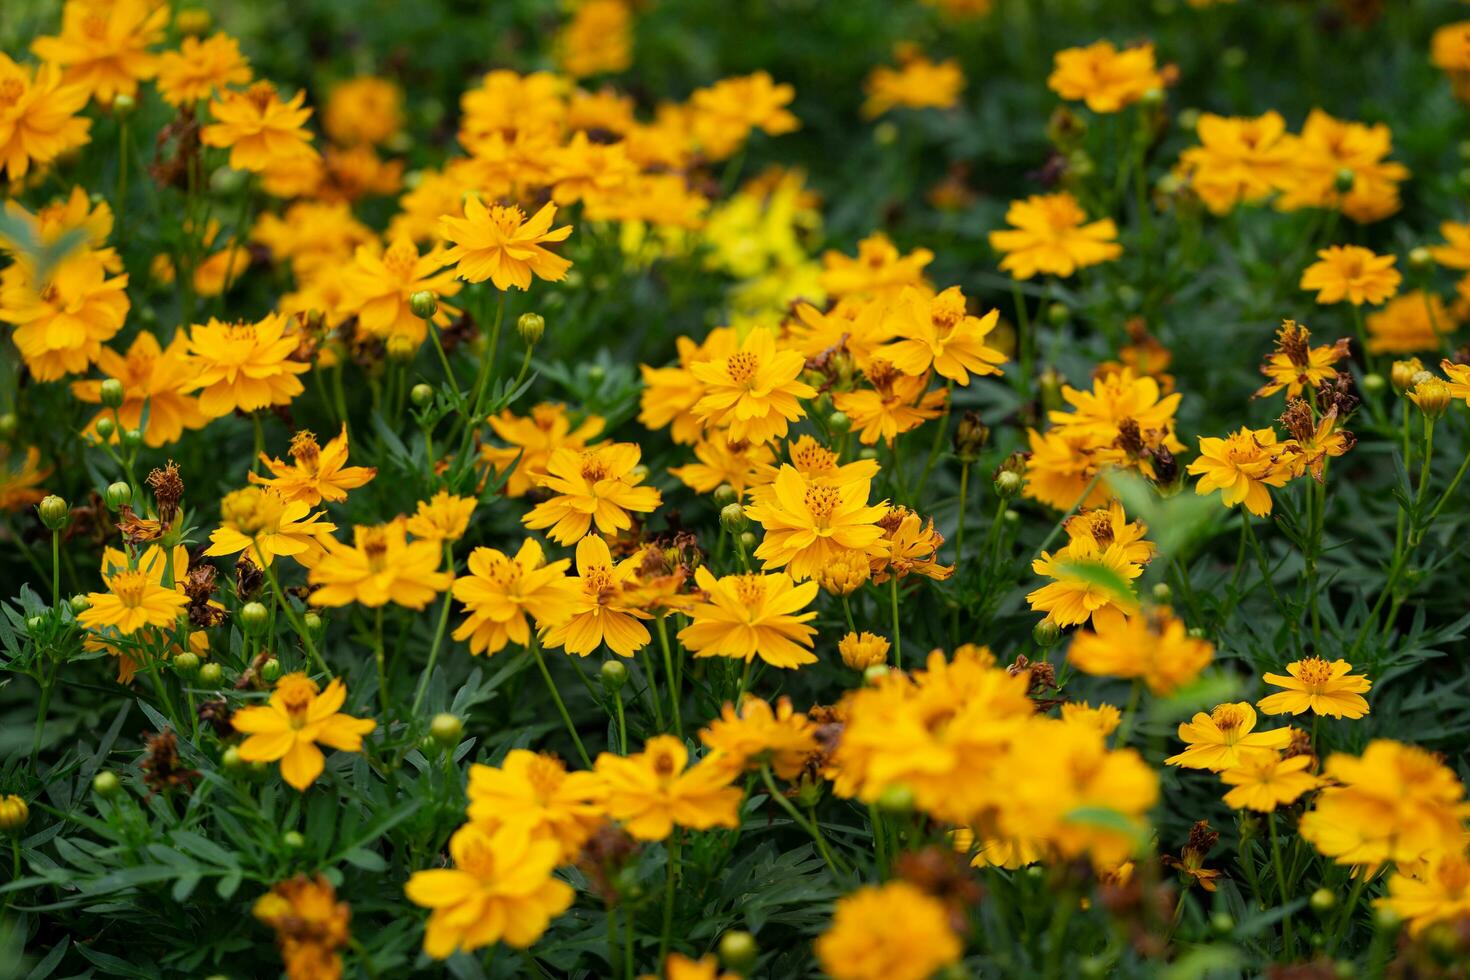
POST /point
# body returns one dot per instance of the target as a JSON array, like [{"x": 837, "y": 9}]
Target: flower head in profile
[
  {"x": 20, "y": 485},
  {"x": 653, "y": 791},
  {"x": 1437, "y": 892},
  {"x": 759, "y": 735},
  {"x": 39, "y": 116},
  {"x": 862, "y": 650},
  {"x": 917, "y": 83},
  {"x": 1328, "y": 149},
  {"x": 1242, "y": 466},
  {"x": 263, "y": 524},
  {"x": 754, "y": 392},
  {"x": 1296, "y": 365},
  {"x": 752, "y": 615},
  {"x": 1155, "y": 647},
  {"x": 1352, "y": 273},
  {"x": 503, "y": 245},
  {"x": 1313, "y": 440},
  {"x": 380, "y": 566},
  {"x": 104, "y": 47},
  {"x": 500, "y": 592},
  {"x": 1106, "y": 78},
  {"x": 153, "y": 376},
  {"x": 1218, "y": 740},
  {"x": 888, "y": 932},
  {"x": 245, "y": 366},
  {"x": 1265, "y": 780},
  {"x": 443, "y": 518},
  {"x": 536, "y": 789},
  {"x": 807, "y": 523},
  {"x": 939, "y": 334},
  {"x": 135, "y": 598},
  {"x": 595, "y": 486},
  {"x": 199, "y": 69},
  {"x": 1317, "y": 686},
  {"x": 604, "y": 609},
  {"x": 299, "y": 717},
  {"x": 314, "y": 473},
  {"x": 500, "y": 889},
  {"x": 1050, "y": 235},
  {"x": 1105, "y": 718},
  {"x": 260, "y": 131}
]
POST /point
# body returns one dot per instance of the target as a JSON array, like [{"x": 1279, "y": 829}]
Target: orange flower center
[
  {"x": 594, "y": 468},
  {"x": 375, "y": 546},
  {"x": 261, "y": 95},
  {"x": 821, "y": 501},
  {"x": 305, "y": 451},
  {"x": 1316, "y": 672},
  {"x": 11, "y": 89},
  {"x": 751, "y": 589},
  {"x": 1228, "y": 718},
  {"x": 742, "y": 366},
  {"x": 598, "y": 580},
  {"x": 129, "y": 587},
  {"x": 296, "y": 697},
  {"x": 94, "y": 26},
  {"x": 663, "y": 765}
]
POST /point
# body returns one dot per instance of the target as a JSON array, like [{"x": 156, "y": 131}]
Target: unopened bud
[
  {"x": 117, "y": 494},
  {"x": 1162, "y": 593},
  {"x": 875, "y": 673},
  {"x": 725, "y": 494},
  {"x": 1432, "y": 396},
  {"x": 1402, "y": 374},
  {"x": 446, "y": 729},
  {"x": 421, "y": 395},
  {"x": 970, "y": 436},
  {"x": 254, "y": 615},
  {"x": 1420, "y": 257},
  {"x": 733, "y": 519},
  {"x": 54, "y": 512},
  {"x": 1007, "y": 484},
  {"x": 113, "y": 393},
  {"x": 531, "y": 327},
  {"x": 1046, "y": 633},
  {"x": 270, "y": 671},
  {"x": 293, "y": 840},
  {"x": 896, "y": 798},
  {"x": 132, "y": 438},
  {"x": 211, "y": 675},
  {"x": 106, "y": 784},
  {"x": 105, "y": 428},
  {"x": 839, "y": 422},
  {"x": 1373, "y": 383},
  {"x": 186, "y": 663},
  {"x": 79, "y": 603},
  {"x": 738, "y": 951},
  {"x": 1057, "y": 314},
  {"x": 1323, "y": 899},
  {"x": 13, "y": 813},
  {"x": 313, "y": 623},
  {"x": 1344, "y": 180},
  {"x": 613, "y": 675},
  {"x": 124, "y": 104},
  {"x": 423, "y": 304}
]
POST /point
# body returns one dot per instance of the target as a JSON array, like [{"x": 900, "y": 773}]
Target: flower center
[
  {"x": 1228, "y": 718},
  {"x": 742, "y": 366},
  {"x": 751, "y": 589},
  {"x": 1315, "y": 672},
  {"x": 808, "y": 457},
  {"x": 305, "y": 451},
  {"x": 375, "y": 546},
  {"x": 129, "y": 587},
  {"x": 594, "y": 468},
  {"x": 11, "y": 89},
  {"x": 295, "y": 692},
  {"x": 598, "y": 580},
  {"x": 821, "y": 501}
]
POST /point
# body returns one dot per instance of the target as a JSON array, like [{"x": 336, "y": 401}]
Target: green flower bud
[
  {"x": 1323, "y": 899},
  {"x": 725, "y": 494},
  {"x": 112, "y": 393},
  {"x": 124, "y": 104},
  {"x": 738, "y": 951},
  {"x": 79, "y": 603},
  {"x": 186, "y": 663},
  {"x": 270, "y": 671},
  {"x": 421, "y": 395},
  {"x": 54, "y": 512},
  {"x": 446, "y": 729},
  {"x": 747, "y": 540},
  {"x": 733, "y": 519},
  {"x": 896, "y": 798},
  {"x": 106, "y": 784},
  {"x": 1057, "y": 314},
  {"x": 1344, "y": 180},
  {"x": 1374, "y": 383},
  {"x": 105, "y": 428},
  {"x": 230, "y": 759},
  {"x": 35, "y": 624},
  {"x": 614, "y": 675},
  {"x": 8, "y": 424},
  {"x": 132, "y": 438},
  {"x": 117, "y": 495},
  {"x": 1046, "y": 633},
  {"x": 1152, "y": 99},
  {"x": 1007, "y": 484},
  {"x": 875, "y": 673},
  {"x": 1420, "y": 257},
  {"x": 423, "y": 304},
  {"x": 254, "y": 616},
  {"x": 1222, "y": 923},
  {"x": 1162, "y": 593},
  {"x": 839, "y": 422},
  {"x": 531, "y": 327},
  {"x": 293, "y": 840},
  {"x": 313, "y": 623},
  {"x": 211, "y": 675}
]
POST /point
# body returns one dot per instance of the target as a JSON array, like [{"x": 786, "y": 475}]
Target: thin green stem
[
  {"x": 423, "y": 688},
  {"x": 674, "y": 693},
  {"x": 382, "y": 659},
  {"x": 813, "y": 829},
  {"x": 1280, "y": 882},
  {"x": 673, "y": 873},
  {"x": 296, "y": 623},
  {"x": 561, "y": 706},
  {"x": 897, "y": 627}
]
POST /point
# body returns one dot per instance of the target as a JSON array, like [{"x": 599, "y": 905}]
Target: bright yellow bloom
[
  {"x": 1074, "y": 597},
  {"x": 917, "y": 83},
  {"x": 939, "y": 335},
  {"x": 1458, "y": 376},
  {"x": 1222, "y": 738},
  {"x": 910, "y": 546},
  {"x": 1105, "y": 718},
  {"x": 739, "y": 464},
  {"x": 135, "y": 598},
  {"x": 62, "y": 323},
  {"x": 1411, "y": 322},
  {"x": 263, "y": 524},
  {"x": 1352, "y": 273},
  {"x": 594, "y": 486},
  {"x": 807, "y": 524},
  {"x": 1440, "y": 892},
  {"x": 380, "y": 566},
  {"x": 752, "y": 615},
  {"x": 1241, "y": 466},
  {"x": 535, "y": 789},
  {"x": 1265, "y": 780},
  {"x": 1313, "y": 443},
  {"x": 1102, "y": 526},
  {"x": 1239, "y": 160},
  {"x": 39, "y": 118},
  {"x": 313, "y": 236},
  {"x": 444, "y": 517},
  {"x": 1154, "y": 647},
  {"x": 260, "y": 131},
  {"x": 597, "y": 39},
  {"x": 104, "y": 47},
  {"x": 1106, "y": 78},
  {"x": 856, "y": 325},
  {"x": 153, "y": 376},
  {"x": 878, "y": 271},
  {"x": 897, "y": 403},
  {"x": 362, "y": 110},
  {"x": 1329, "y": 147},
  {"x": 755, "y": 391},
  {"x": 652, "y": 791},
  {"x": 245, "y": 366},
  {"x": 888, "y": 932},
  {"x": 1060, "y": 468},
  {"x": 199, "y": 69},
  {"x": 681, "y": 967},
  {"x": 533, "y": 439},
  {"x": 758, "y": 735},
  {"x": 499, "y": 591},
  {"x": 603, "y": 611},
  {"x": 377, "y": 285},
  {"x": 298, "y": 717},
  {"x": 1317, "y": 686},
  {"x": 1050, "y": 235},
  {"x": 670, "y": 393},
  {"x": 500, "y": 889},
  {"x": 502, "y": 245},
  {"x": 1296, "y": 365},
  {"x": 863, "y": 650},
  {"x": 1120, "y": 401},
  {"x": 315, "y": 473},
  {"x": 1455, "y": 253},
  {"x": 726, "y": 112},
  {"x": 589, "y": 172}
]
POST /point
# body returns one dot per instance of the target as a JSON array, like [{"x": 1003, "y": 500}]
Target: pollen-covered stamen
[
  {"x": 594, "y": 468},
  {"x": 1228, "y": 718},
  {"x": 1297, "y": 419},
  {"x": 295, "y": 693},
  {"x": 305, "y": 451},
  {"x": 261, "y": 94},
  {"x": 751, "y": 590},
  {"x": 1295, "y": 342},
  {"x": 808, "y": 457},
  {"x": 375, "y": 546},
  {"x": 598, "y": 581},
  {"x": 821, "y": 501},
  {"x": 400, "y": 258},
  {"x": 129, "y": 587},
  {"x": 1315, "y": 672},
  {"x": 742, "y": 366}
]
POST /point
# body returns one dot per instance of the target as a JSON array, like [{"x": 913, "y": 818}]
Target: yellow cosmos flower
[
  {"x": 910, "y": 546},
  {"x": 758, "y": 735},
  {"x": 365, "y": 109},
  {"x": 38, "y": 116},
  {"x": 1050, "y": 235},
  {"x": 62, "y": 323},
  {"x": 1296, "y": 365},
  {"x": 856, "y": 325},
  {"x": 1440, "y": 892},
  {"x": 1060, "y": 468},
  {"x": 535, "y": 789},
  {"x": 1458, "y": 376},
  {"x": 500, "y": 890},
  {"x": 20, "y": 486},
  {"x": 532, "y": 440},
  {"x": 1242, "y": 466},
  {"x": 1317, "y": 686},
  {"x": 917, "y": 83},
  {"x": 499, "y": 592},
  {"x": 379, "y": 567},
  {"x": 652, "y": 791},
  {"x": 681, "y": 967},
  {"x": 862, "y": 650},
  {"x": 104, "y": 48},
  {"x": 1220, "y": 739},
  {"x": 1414, "y": 321},
  {"x": 153, "y": 376},
  {"x": 939, "y": 335},
  {"x": 1154, "y": 647},
  {"x": 603, "y": 610},
  {"x": 754, "y": 392},
  {"x": 807, "y": 524},
  {"x": 670, "y": 393},
  {"x": 725, "y": 113},
  {"x": 1105, "y": 718},
  {"x": 1264, "y": 781},
  {"x": 1352, "y": 273},
  {"x": 135, "y": 598},
  {"x": 315, "y": 473},
  {"x": 298, "y": 717},
  {"x": 260, "y": 131},
  {"x": 739, "y": 464},
  {"x": 1328, "y": 148},
  {"x": 897, "y": 403},
  {"x": 1073, "y": 597},
  {"x": 263, "y": 524},
  {"x": 888, "y": 932},
  {"x": 594, "y": 486},
  {"x": 502, "y": 245},
  {"x": 878, "y": 271},
  {"x": 1107, "y": 79},
  {"x": 444, "y": 517},
  {"x": 199, "y": 69},
  {"x": 749, "y": 616},
  {"x": 245, "y": 366},
  {"x": 1455, "y": 253},
  {"x": 1239, "y": 160},
  {"x": 377, "y": 285}
]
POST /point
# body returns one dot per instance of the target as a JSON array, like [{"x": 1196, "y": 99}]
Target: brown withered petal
[
  {"x": 248, "y": 578},
  {"x": 162, "y": 768},
  {"x": 138, "y": 530},
  {"x": 216, "y": 714},
  {"x": 168, "y": 490}
]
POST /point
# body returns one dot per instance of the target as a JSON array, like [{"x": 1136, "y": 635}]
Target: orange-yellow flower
[
  {"x": 62, "y": 323},
  {"x": 1411, "y": 322},
  {"x": 151, "y": 376},
  {"x": 897, "y": 403},
  {"x": 135, "y": 598},
  {"x": 1075, "y": 596},
  {"x": 1239, "y": 160},
  {"x": 380, "y": 566},
  {"x": 1222, "y": 738},
  {"x": 533, "y": 439},
  {"x": 1264, "y": 781},
  {"x": 245, "y": 366},
  {"x": 298, "y": 717},
  {"x": 725, "y": 113},
  {"x": 1050, "y": 235},
  {"x": 594, "y": 486},
  {"x": 652, "y": 791},
  {"x": 535, "y": 789},
  {"x": 755, "y": 391},
  {"x": 39, "y": 118},
  {"x": 1352, "y": 273},
  {"x": 938, "y": 334},
  {"x": 260, "y": 131},
  {"x": 260, "y": 522},
  {"x": 1439, "y": 892},
  {"x": 602, "y": 611},
  {"x": 377, "y": 285},
  {"x": 888, "y": 932},
  {"x": 1241, "y": 466},
  {"x": 879, "y": 270},
  {"x": 917, "y": 83},
  {"x": 1154, "y": 647},
  {"x": 362, "y": 110},
  {"x": 499, "y": 592},
  {"x": 199, "y": 69},
  {"x": 501, "y": 244},
  {"x": 1106, "y": 78},
  {"x": 104, "y": 47},
  {"x": 1319, "y": 687},
  {"x": 315, "y": 473},
  {"x": 751, "y": 615},
  {"x": 808, "y": 524}
]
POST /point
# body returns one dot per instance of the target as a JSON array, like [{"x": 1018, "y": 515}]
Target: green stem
[
  {"x": 646, "y": 659},
  {"x": 673, "y": 874},
  {"x": 561, "y": 707},
  {"x": 418, "y": 697},
  {"x": 1280, "y": 882},
  {"x": 259, "y": 442},
  {"x": 382, "y": 660},
  {"x": 292, "y": 618},
  {"x": 813, "y": 829},
  {"x": 674, "y": 693},
  {"x": 622, "y": 723},
  {"x": 897, "y": 629}
]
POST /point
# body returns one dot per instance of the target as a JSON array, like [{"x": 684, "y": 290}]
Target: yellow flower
[
  {"x": 499, "y": 591},
  {"x": 380, "y": 566},
  {"x": 1222, "y": 738},
  {"x": 1118, "y": 400},
  {"x": 910, "y": 546},
  {"x": 1154, "y": 647},
  {"x": 652, "y": 791},
  {"x": 1107, "y": 79},
  {"x": 310, "y": 924},
  {"x": 1239, "y": 160},
  {"x": 104, "y": 47},
  {"x": 536, "y": 790},
  {"x": 939, "y": 335},
  {"x": 259, "y": 129},
  {"x": 315, "y": 473},
  {"x": 38, "y": 116},
  {"x": 598, "y": 39},
  {"x": 1074, "y": 596},
  {"x": 365, "y": 109},
  {"x": 754, "y": 392},
  {"x": 917, "y": 83},
  {"x": 751, "y": 615},
  {"x": 1265, "y": 780},
  {"x": 377, "y": 285},
  {"x": 594, "y": 486},
  {"x": 1352, "y": 273},
  {"x": 897, "y": 403},
  {"x": 442, "y": 518},
  {"x": 739, "y": 464},
  {"x": 500, "y": 889},
  {"x": 1241, "y": 466},
  {"x": 1105, "y": 718},
  {"x": 1296, "y": 365},
  {"x": 878, "y": 271},
  {"x": 1329, "y": 147},
  {"x": 602, "y": 612},
  {"x": 1411, "y": 322},
  {"x": 62, "y": 323},
  {"x": 1455, "y": 253},
  {"x": 845, "y": 572},
  {"x": 758, "y": 735},
  {"x": 20, "y": 486},
  {"x": 151, "y": 376},
  {"x": 1317, "y": 686},
  {"x": 1060, "y": 468},
  {"x": 681, "y": 967},
  {"x": 298, "y": 717},
  {"x": 1458, "y": 379},
  {"x": 245, "y": 366},
  {"x": 502, "y": 245},
  {"x": 590, "y": 172},
  {"x": 1312, "y": 443},
  {"x": 863, "y": 650},
  {"x": 532, "y": 440},
  {"x": 313, "y": 236},
  {"x": 1440, "y": 892},
  {"x": 1050, "y": 235},
  {"x": 135, "y": 598},
  {"x": 670, "y": 393},
  {"x": 261, "y": 523},
  {"x": 808, "y": 524},
  {"x": 200, "y": 68},
  {"x": 888, "y": 932},
  {"x": 726, "y": 112}
]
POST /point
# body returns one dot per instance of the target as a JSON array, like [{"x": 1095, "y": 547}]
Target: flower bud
[
  {"x": 313, "y": 623},
  {"x": 885, "y": 133},
  {"x": 1187, "y": 119},
  {"x": 747, "y": 540},
  {"x": 230, "y": 759},
  {"x": 446, "y": 729},
  {"x": 1403, "y": 373},
  {"x": 186, "y": 663},
  {"x": 1386, "y": 918},
  {"x": 132, "y": 438},
  {"x": 35, "y": 624},
  {"x": 860, "y": 651},
  {"x": 1344, "y": 180},
  {"x": 253, "y": 616},
  {"x": 725, "y": 494},
  {"x": 1420, "y": 257},
  {"x": 733, "y": 519},
  {"x": 1046, "y": 633},
  {"x": 614, "y": 675},
  {"x": 875, "y": 673},
  {"x": 1162, "y": 593},
  {"x": 970, "y": 436},
  {"x": 1323, "y": 899},
  {"x": 839, "y": 422},
  {"x": 124, "y": 104},
  {"x": 1373, "y": 383},
  {"x": 896, "y": 798},
  {"x": 1222, "y": 922},
  {"x": 1007, "y": 484},
  {"x": 531, "y": 327},
  {"x": 595, "y": 373},
  {"x": 738, "y": 951},
  {"x": 113, "y": 393},
  {"x": 421, "y": 395},
  {"x": 1152, "y": 99},
  {"x": 400, "y": 348},
  {"x": 54, "y": 512},
  {"x": 1058, "y": 314},
  {"x": 13, "y": 813},
  {"x": 211, "y": 675},
  {"x": 1432, "y": 396},
  {"x": 105, "y": 428},
  {"x": 117, "y": 494},
  {"x": 423, "y": 304},
  {"x": 868, "y": 452},
  {"x": 79, "y": 603},
  {"x": 106, "y": 784},
  {"x": 8, "y": 424},
  {"x": 293, "y": 840},
  {"x": 270, "y": 671}
]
